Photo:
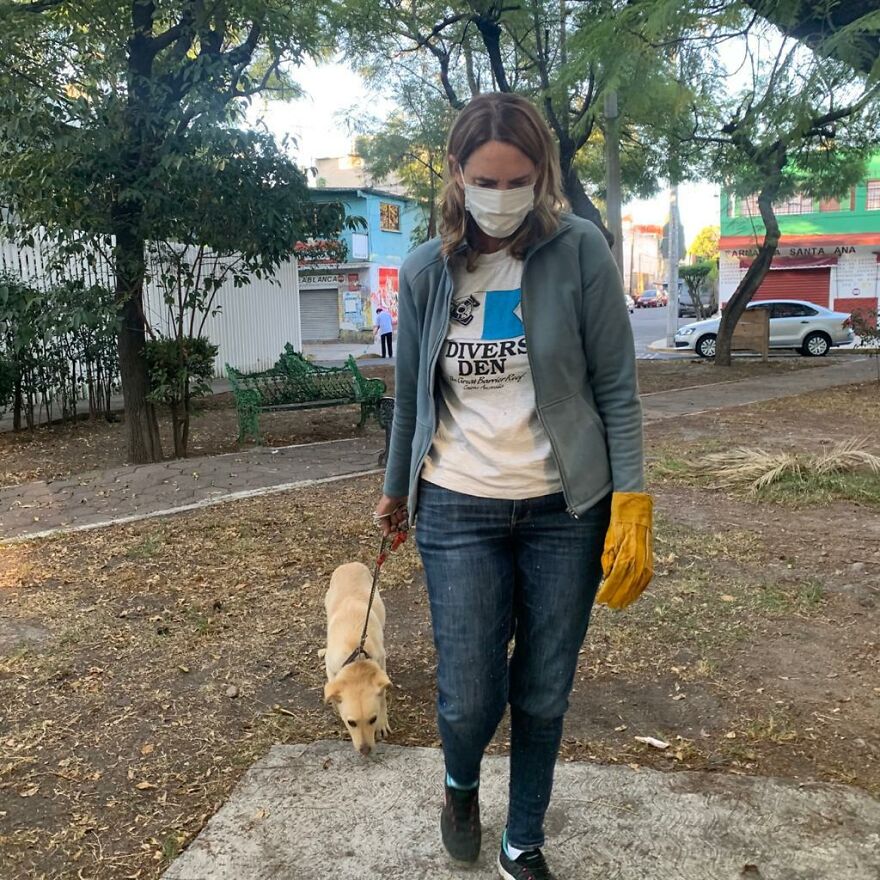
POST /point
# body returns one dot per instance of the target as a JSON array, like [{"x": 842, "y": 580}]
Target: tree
[
  {"x": 222, "y": 172},
  {"x": 552, "y": 52},
  {"x": 97, "y": 105},
  {"x": 411, "y": 143},
  {"x": 704, "y": 247},
  {"x": 695, "y": 277},
  {"x": 799, "y": 121},
  {"x": 805, "y": 125},
  {"x": 845, "y": 29}
]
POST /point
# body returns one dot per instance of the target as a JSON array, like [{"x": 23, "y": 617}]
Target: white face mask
[{"x": 498, "y": 212}]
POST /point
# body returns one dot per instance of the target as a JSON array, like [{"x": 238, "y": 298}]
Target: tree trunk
[
  {"x": 580, "y": 201},
  {"x": 752, "y": 280},
  {"x": 129, "y": 262},
  {"x": 141, "y": 426}
]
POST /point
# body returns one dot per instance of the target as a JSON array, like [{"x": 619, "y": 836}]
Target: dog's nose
[{"x": 365, "y": 750}]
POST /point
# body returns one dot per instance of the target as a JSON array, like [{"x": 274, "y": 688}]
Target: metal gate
[
  {"x": 810, "y": 285},
  {"x": 319, "y": 313}
]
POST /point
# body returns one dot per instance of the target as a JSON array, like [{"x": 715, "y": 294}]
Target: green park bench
[{"x": 296, "y": 383}]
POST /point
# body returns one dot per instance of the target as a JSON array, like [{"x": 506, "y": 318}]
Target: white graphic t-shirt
[{"x": 489, "y": 441}]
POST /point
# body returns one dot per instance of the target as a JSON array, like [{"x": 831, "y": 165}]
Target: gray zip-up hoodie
[{"x": 581, "y": 353}]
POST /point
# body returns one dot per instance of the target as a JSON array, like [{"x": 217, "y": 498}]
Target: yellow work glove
[{"x": 628, "y": 560}]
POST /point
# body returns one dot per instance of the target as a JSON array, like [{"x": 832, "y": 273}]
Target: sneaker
[
  {"x": 528, "y": 866},
  {"x": 460, "y": 824}
]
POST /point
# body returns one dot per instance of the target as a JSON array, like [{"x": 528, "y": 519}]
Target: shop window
[
  {"x": 389, "y": 217},
  {"x": 872, "y": 199},
  {"x": 796, "y": 204}
]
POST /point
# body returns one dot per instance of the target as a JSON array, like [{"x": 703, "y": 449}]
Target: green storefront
[{"x": 829, "y": 253}]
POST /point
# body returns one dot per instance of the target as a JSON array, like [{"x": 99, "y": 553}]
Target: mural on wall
[{"x": 386, "y": 296}]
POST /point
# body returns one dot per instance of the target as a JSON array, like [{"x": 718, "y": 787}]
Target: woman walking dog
[{"x": 517, "y": 449}]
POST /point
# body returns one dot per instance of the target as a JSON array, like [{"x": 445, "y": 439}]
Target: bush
[{"x": 180, "y": 371}]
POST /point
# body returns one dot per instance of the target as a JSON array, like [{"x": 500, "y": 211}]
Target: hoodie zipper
[
  {"x": 569, "y": 509},
  {"x": 432, "y": 368}
]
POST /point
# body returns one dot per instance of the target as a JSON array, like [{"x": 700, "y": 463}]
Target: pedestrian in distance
[{"x": 384, "y": 327}]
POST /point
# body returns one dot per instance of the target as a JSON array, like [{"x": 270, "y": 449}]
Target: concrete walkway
[
  {"x": 708, "y": 398},
  {"x": 123, "y": 494},
  {"x": 321, "y": 810}
]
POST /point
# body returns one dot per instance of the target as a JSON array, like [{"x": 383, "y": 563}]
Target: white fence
[{"x": 250, "y": 330}]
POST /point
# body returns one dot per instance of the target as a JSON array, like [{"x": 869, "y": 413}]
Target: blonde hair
[{"x": 511, "y": 119}]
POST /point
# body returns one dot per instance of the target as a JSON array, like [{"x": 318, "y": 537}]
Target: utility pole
[
  {"x": 612, "y": 176},
  {"x": 672, "y": 250}
]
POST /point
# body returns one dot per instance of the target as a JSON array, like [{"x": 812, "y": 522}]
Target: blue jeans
[{"x": 499, "y": 570}]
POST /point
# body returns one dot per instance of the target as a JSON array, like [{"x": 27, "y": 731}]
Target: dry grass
[
  {"x": 757, "y": 469},
  {"x": 120, "y": 740}
]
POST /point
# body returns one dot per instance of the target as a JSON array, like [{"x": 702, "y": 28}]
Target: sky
[{"x": 317, "y": 123}]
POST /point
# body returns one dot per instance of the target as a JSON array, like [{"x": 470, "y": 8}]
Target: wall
[
  {"x": 251, "y": 328},
  {"x": 378, "y": 276}
]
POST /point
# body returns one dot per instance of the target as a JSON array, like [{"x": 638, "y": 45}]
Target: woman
[{"x": 517, "y": 439}]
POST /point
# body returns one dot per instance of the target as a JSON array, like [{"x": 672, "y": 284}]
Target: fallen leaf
[
  {"x": 731, "y": 734},
  {"x": 143, "y": 786},
  {"x": 726, "y": 597},
  {"x": 653, "y": 742},
  {"x": 148, "y": 749},
  {"x": 30, "y": 791}
]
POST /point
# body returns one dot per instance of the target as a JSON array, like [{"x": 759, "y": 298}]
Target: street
[{"x": 649, "y": 325}]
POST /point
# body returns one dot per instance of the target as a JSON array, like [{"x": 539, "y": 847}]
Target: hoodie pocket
[{"x": 578, "y": 436}]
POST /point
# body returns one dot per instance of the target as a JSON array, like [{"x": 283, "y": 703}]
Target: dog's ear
[
  {"x": 332, "y": 692},
  {"x": 383, "y": 682}
]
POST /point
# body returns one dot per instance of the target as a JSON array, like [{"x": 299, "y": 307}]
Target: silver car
[{"x": 808, "y": 328}]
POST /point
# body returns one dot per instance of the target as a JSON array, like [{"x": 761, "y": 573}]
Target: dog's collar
[{"x": 355, "y": 654}]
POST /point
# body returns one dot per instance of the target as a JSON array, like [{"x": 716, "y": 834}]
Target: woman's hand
[{"x": 391, "y": 514}]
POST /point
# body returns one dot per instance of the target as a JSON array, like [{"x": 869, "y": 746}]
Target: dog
[{"x": 358, "y": 690}]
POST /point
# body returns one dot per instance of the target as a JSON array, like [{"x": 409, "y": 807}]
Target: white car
[{"x": 809, "y": 328}]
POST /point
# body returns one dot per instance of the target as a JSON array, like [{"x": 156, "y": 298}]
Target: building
[
  {"x": 829, "y": 252},
  {"x": 341, "y": 285},
  {"x": 641, "y": 256},
  {"x": 349, "y": 171}
]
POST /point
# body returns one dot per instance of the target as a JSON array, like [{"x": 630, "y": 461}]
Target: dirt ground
[
  {"x": 143, "y": 668},
  {"x": 58, "y": 451}
]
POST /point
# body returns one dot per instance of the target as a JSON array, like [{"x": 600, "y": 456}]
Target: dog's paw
[{"x": 383, "y": 730}]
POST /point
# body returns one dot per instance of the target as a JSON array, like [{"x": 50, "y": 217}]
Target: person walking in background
[
  {"x": 516, "y": 450},
  {"x": 383, "y": 327}
]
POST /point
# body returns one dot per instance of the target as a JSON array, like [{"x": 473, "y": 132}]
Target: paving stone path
[{"x": 127, "y": 493}]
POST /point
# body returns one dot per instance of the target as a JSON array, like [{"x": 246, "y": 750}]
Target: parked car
[
  {"x": 651, "y": 299},
  {"x": 686, "y": 307},
  {"x": 630, "y": 302},
  {"x": 808, "y": 328}
]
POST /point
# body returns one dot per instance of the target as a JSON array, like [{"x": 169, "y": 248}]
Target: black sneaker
[
  {"x": 528, "y": 866},
  {"x": 460, "y": 824}
]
